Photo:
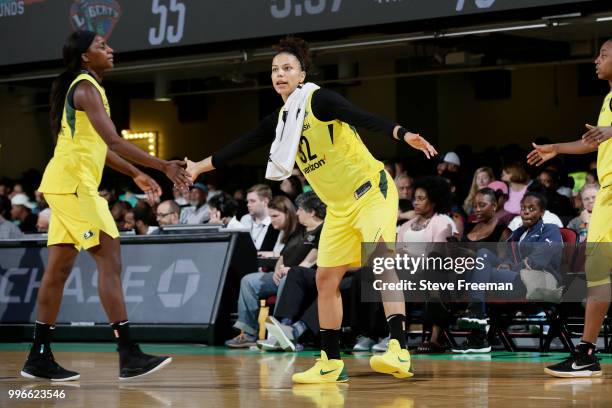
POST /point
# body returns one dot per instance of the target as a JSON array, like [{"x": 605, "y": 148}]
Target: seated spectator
[
  {"x": 405, "y": 190},
  {"x": 198, "y": 211},
  {"x": 557, "y": 203},
  {"x": 181, "y": 197},
  {"x": 450, "y": 163},
  {"x": 404, "y": 183},
  {"x": 168, "y": 213},
  {"x": 129, "y": 223},
  {"x": 516, "y": 176},
  {"x": 591, "y": 177},
  {"x": 42, "y": 223},
  {"x": 548, "y": 217},
  {"x": 21, "y": 213},
  {"x": 17, "y": 189},
  {"x": 298, "y": 251},
  {"x": 456, "y": 210},
  {"x": 298, "y": 173},
  {"x": 295, "y": 311},
  {"x": 6, "y": 186},
  {"x": 501, "y": 192},
  {"x": 432, "y": 199},
  {"x": 108, "y": 194},
  {"x": 283, "y": 219},
  {"x": 533, "y": 258},
  {"x": 483, "y": 176},
  {"x": 487, "y": 227},
  {"x": 223, "y": 209},
  {"x": 118, "y": 211},
  {"x": 580, "y": 224},
  {"x": 240, "y": 197},
  {"x": 8, "y": 230},
  {"x": 144, "y": 220},
  {"x": 258, "y": 220},
  {"x": 291, "y": 187}
]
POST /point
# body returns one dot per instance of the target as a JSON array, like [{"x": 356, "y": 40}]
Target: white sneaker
[
  {"x": 269, "y": 344},
  {"x": 363, "y": 343},
  {"x": 282, "y": 332},
  {"x": 382, "y": 345}
]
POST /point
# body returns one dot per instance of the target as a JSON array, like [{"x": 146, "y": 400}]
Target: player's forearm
[
  {"x": 204, "y": 166},
  {"x": 576, "y": 147},
  {"x": 122, "y": 166},
  {"x": 133, "y": 153}
]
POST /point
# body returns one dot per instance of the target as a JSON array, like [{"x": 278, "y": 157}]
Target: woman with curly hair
[{"x": 316, "y": 129}]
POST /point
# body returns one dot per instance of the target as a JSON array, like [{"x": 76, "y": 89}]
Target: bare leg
[
  {"x": 329, "y": 300},
  {"x": 108, "y": 260},
  {"x": 597, "y": 304},
  {"x": 60, "y": 262},
  {"x": 435, "y": 333}
]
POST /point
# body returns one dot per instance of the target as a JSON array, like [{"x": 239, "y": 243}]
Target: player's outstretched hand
[
  {"x": 175, "y": 171},
  {"x": 596, "y": 135},
  {"x": 149, "y": 187},
  {"x": 192, "y": 169},
  {"x": 418, "y": 142},
  {"x": 541, "y": 154}
]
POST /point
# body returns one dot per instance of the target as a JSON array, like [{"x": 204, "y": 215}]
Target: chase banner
[{"x": 162, "y": 283}]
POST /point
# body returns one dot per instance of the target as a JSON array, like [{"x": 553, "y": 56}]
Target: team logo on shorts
[
  {"x": 99, "y": 16},
  {"x": 88, "y": 234}
]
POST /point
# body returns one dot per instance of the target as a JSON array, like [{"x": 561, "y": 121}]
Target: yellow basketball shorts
[
  {"x": 375, "y": 217},
  {"x": 599, "y": 240},
  {"x": 78, "y": 219}
]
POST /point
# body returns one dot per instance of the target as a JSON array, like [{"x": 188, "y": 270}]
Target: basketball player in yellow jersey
[
  {"x": 361, "y": 198},
  {"x": 598, "y": 265},
  {"x": 80, "y": 218}
]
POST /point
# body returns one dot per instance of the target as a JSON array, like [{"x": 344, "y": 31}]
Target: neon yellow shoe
[
  {"x": 395, "y": 361},
  {"x": 324, "y": 371}
]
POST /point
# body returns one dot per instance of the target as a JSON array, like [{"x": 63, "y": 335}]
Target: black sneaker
[
  {"x": 133, "y": 363},
  {"x": 43, "y": 366},
  {"x": 581, "y": 363},
  {"x": 476, "y": 342},
  {"x": 472, "y": 320}
]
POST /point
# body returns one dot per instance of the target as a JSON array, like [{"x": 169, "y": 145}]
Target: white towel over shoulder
[{"x": 288, "y": 133}]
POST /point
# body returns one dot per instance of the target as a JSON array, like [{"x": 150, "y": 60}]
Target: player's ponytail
[
  {"x": 75, "y": 45},
  {"x": 297, "y": 47}
]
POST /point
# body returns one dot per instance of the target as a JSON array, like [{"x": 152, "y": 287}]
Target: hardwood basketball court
[{"x": 203, "y": 376}]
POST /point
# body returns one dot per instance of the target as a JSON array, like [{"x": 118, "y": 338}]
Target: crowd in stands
[{"x": 454, "y": 202}]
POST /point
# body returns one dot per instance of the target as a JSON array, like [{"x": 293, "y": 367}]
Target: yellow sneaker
[
  {"x": 395, "y": 361},
  {"x": 324, "y": 371}
]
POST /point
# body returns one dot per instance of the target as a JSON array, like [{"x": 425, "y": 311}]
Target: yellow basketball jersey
[
  {"x": 335, "y": 161},
  {"x": 604, "y": 153},
  {"x": 80, "y": 153}
]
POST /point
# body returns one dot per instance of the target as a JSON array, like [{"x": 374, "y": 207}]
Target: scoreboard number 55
[{"x": 166, "y": 32}]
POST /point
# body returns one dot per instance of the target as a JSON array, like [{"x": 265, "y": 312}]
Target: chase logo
[
  {"x": 99, "y": 16},
  {"x": 88, "y": 234},
  {"x": 186, "y": 278}
]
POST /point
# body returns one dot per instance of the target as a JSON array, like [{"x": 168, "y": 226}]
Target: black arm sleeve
[
  {"x": 329, "y": 105},
  {"x": 262, "y": 135}
]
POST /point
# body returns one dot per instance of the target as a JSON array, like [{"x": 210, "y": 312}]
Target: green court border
[{"x": 203, "y": 350}]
